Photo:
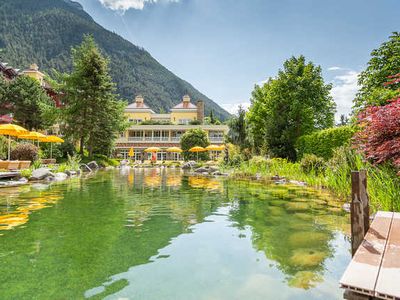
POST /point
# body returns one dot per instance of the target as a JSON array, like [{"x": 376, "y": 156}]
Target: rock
[
  {"x": 201, "y": 170},
  {"x": 41, "y": 173},
  {"x": 110, "y": 168},
  {"x": 300, "y": 183},
  {"x": 93, "y": 165},
  {"x": 124, "y": 162},
  {"x": 205, "y": 173},
  {"x": 217, "y": 173},
  {"x": 213, "y": 169},
  {"x": 60, "y": 176},
  {"x": 190, "y": 164},
  {"x": 85, "y": 168},
  {"x": 70, "y": 173},
  {"x": 346, "y": 207}
]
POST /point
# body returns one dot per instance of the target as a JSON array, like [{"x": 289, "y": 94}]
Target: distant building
[
  {"x": 149, "y": 129},
  {"x": 10, "y": 74}
]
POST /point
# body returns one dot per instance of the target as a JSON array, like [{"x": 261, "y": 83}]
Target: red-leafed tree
[{"x": 379, "y": 137}]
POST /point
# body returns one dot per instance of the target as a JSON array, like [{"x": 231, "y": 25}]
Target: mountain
[{"x": 43, "y": 32}]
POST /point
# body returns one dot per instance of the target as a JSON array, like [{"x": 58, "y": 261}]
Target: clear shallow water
[{"x": 158, "y": 234}]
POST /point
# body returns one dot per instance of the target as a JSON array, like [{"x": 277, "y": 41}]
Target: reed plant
[{"x": 383, "y": 182}]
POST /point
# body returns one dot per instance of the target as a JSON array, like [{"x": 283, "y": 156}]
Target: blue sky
[{"x": 224, "y": 47}]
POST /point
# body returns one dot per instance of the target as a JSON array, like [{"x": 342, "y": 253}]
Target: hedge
[{"x": 322, "y": 143}]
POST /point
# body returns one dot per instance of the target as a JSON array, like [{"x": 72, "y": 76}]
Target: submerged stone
[
  {"x": 307, "y": 257},
  {"x": 307, "y": 239},
  {"x": 297, "y": 206},
  {"x": 305, "y": 280}
]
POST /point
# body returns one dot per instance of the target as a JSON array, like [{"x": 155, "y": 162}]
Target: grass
[{"x": 383, "y": 183}]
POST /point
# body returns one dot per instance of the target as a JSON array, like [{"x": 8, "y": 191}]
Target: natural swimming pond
[{"x": 161, "y": 234}]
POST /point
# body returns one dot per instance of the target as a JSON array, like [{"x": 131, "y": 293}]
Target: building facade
[
  {"x": 9, "y": 74},
  {"x": 149, "y": 129}
]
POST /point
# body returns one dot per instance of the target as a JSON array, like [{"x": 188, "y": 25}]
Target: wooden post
[{"x": 359, "y": 208}]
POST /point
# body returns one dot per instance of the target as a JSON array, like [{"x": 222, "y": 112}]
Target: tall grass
[{"x": 383, "y": 183}]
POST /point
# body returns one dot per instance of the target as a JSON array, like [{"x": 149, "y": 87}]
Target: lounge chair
[
  {"x": 3, "y": 165},
  {"x": 48, "y": 161},
  {"x": 13, "y": 165},
  {"x": 24, "y": 164}
]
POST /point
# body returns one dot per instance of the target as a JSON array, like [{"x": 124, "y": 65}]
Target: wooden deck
[
  {"x": 375, "y": 268},
  {"x": 6, "y": 175}
]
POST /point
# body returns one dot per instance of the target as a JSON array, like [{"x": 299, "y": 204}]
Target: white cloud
[
  {"x": 123, "y": 5},
  {"x": 344, "y": 90},
  {"x": 233, "y": 107},
  {"x": 334, "y": 69}
]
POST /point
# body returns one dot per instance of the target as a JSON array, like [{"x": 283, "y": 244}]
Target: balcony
[
  {"x": 135, "y": 139},
  {"x": 216, "y": 139}
]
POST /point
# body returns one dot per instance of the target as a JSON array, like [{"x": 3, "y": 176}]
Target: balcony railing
[{"x": 167, "y": 139}]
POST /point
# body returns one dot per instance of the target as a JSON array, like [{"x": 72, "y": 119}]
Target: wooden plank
[
  {"x": 362, "y": 273},
  {"x": 388, "y": 284},
  {"x": 359, "y": 209}
]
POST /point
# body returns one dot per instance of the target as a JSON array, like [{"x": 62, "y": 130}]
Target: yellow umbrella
[
  {"x": 175, "y": 149},
  {"x": 152, "y": 149},
  {"x": 51, "y": 139},
  {"x": 197, "y": 149},
  {"x": 11, "y": 130},
  {"x": 33, "y": 135},
  {"x": 131, "y": 152},
  {"x": 215, "y": 148}
]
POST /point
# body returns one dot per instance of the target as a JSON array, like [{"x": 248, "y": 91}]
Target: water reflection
[
  {"x": 292, "y": 225},
  {"x": 97, "y": 234}
]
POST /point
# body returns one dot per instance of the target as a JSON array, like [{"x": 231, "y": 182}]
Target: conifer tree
[{"x": 93, "y": 115}]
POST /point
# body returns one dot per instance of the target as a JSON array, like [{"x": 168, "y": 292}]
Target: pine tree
[
  {"x": 29, "y": 103},
  {"x": 93, "y": 115}
]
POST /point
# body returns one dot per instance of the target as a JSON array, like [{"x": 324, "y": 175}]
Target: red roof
[
  {"x": 185, "y": 105},
  {"x": 139, "y": 105}
]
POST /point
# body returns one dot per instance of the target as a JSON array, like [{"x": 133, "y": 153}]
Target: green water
[{"x": 157, "y": 234}]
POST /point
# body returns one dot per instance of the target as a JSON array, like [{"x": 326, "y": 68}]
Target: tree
[
  {"x": 212, "y": 118},
  {"x": 29, "y": 103},
  {"x": 237, "y": 128},
  {"x": 193, "y": 138},
  {"x": 294, "y": 103},
  {"x": 384, "y": 62},
  {"x": 379, "y": 137},
  {"x": 3, "y": 96},
  {"x": 93, "y": 115},
  {"x": 344, "y": 120}
]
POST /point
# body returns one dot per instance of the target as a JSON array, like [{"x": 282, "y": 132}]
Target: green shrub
[
  {"x": 312, "y": 163},
  {"x": 25, "y": 151},
  {"x": 323, "y": 142},
  {"x": 258, "y": 160},
  {"x": 193, "y": 138},
  {"x": 27, "y": 173}
]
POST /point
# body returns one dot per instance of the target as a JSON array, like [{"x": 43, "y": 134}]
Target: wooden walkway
[
  {"x": 375, "y": 268},
  {"x": 6, "y": 175}
]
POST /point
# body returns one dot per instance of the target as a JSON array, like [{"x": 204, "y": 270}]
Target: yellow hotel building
[{"x": 168, "y": 131}]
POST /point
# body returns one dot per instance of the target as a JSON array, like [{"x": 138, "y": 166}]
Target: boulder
[
  {"x": 85, "y": 168},
  {"x": 201, "y": 170},
  {"x": 41, "y": 173},
  {"x": 93, "y": 165},
  {"x": 190, "y": 164},
  {"x": 60, "y": 176},
  {"x": 124, "y": 162},
  {"x": 70, "y": 173},
  {"x": 213, "y": 169}
]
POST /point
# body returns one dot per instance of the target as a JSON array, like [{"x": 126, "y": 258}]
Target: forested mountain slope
[{"x": 43, "y": 32}]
